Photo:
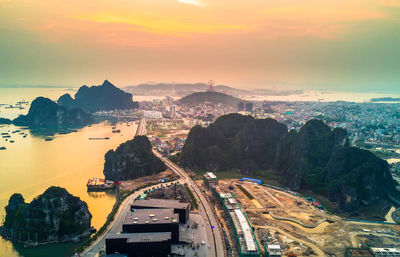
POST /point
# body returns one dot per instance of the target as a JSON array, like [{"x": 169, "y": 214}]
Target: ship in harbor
[{"x": 100, "y": 184}]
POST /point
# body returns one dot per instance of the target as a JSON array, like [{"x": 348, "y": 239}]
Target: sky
[{"x": 310, "y": 44}]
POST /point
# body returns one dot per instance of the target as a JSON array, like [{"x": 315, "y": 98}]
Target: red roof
[{"x": 316, "y": 203}]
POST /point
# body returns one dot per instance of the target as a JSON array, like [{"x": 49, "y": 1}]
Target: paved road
[
  {"x": 141, "y": 129},
  {"x": 204, "y": 207},
  {"x": 116, "y": 225}
]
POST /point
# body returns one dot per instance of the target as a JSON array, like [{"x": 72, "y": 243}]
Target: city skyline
[{"x": 334, "y": 45}]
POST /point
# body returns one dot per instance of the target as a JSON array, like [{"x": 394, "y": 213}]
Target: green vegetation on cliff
[
  {"x": 46, "y": 113},
  {"x": 54, "y": 216},
  {"x": 131, "y": 160},
  {"x": 211, "y": 97},
  {"x": 102, "y": 97},
  {"x": 314, "y": 158}
]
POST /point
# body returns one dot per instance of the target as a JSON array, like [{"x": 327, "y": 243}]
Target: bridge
[{"x": 141, "y": 130}]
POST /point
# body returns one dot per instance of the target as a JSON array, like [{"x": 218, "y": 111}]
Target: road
[
  {"x": 204, "y": 208},
  {"x": 141, "y": 129},
  {"x": 214, "y": 234},
  {"x": 116, "y": 225}
]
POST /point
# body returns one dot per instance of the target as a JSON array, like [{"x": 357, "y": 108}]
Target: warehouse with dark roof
[
  {"x": 180, "y": 208},
  {"x": 139, "y": 244},
  {"x": 152, "y": 220}
]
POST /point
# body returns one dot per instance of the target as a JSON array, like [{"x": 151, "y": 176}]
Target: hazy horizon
[{"x": 330, "y": 45}]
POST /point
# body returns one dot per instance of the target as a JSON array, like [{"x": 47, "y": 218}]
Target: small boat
[
  {"x": 116, "y": 131},
  {"x": 48, "y": 139},
  {"x": 12, "y": 141},
  {"x": 3, "y": 148},
  {"x": 6, "y": 136},
  {"x": 99, "y": 138},
  {"x": 25, "y": 135}
]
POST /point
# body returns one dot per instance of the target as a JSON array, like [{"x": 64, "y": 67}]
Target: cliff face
[
  {"x": 131, "y": 160},
  {"x": 46, "y": 113},
  {"x": 5, "y": 121},
  {"x": 308, "y": 150},
  {"x": 233, "y": 141},
  {"x": 314, "y": 158},
  {"x": 103, "y": 97},
  {"x": 54, "y": 216}
]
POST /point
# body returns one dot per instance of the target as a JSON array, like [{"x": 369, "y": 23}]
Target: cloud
[{"x": 191, "y": 2}]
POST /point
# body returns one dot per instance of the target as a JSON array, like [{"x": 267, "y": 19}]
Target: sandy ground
[
  {"x": 331, "y": 234},
  {"x": 132, "y": 184}
]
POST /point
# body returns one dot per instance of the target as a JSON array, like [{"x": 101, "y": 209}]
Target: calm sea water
[{"x": 31, "y": 165}]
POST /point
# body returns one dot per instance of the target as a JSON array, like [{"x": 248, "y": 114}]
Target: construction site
[{"x": 284, "y": 223}]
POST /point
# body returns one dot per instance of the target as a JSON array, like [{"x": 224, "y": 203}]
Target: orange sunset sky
[{"x": 324, "y": 44}]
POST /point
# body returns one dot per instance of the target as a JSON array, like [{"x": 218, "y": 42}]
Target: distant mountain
[
  {"x": 315, "y": 158},
  {"x": 132, "y": 159},
  {"x": 46, "y": 113},
  {"x": 53, "y": 217},
  {"x": 95, "y": 98},
  {"x": 211, "y": 97},
  {"x": 180, "y": 89},
  {"x": 385, "y": 99}
]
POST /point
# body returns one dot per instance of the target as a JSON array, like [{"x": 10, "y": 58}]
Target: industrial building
[
  {"x": 152, "y": 220},
  {"x": 251, "y": 180},
  {"x": 244, "y": 233},
  {"x": 210, "y": 179},
  {"x": 372, "y": 252},
  {"x": 378, "y": 252},
  {"x": 182, "y": 209},
  {"x": 273, "y": 251},
  {"x": 139, "y": 244}
]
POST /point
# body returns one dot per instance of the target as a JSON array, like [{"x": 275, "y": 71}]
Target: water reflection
[{"x": 30, "y": 165}]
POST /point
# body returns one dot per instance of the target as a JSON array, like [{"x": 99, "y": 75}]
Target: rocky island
[
  {"x": 131, "y": 160},
  {"x": 48, "y": 114},
  {"x": 52, "y": 217},
  {"x": 5, "y": 121},
  {"x": 95, "y": 98},
  {"x": 315, "y": 158}
]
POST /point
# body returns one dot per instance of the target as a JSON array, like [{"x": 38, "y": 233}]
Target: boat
[
  {"x": 6, "y": 136},
  {"x": 12, "y": 141},
  {"x": 3, "y": 148},
  {"x": 116, "y": 131},
  {"x": 99, "y": 138},
  {"x": 48, "y": 139},
  {"x": 100, "y": 184},
  {"x": 25, "y": 135}
]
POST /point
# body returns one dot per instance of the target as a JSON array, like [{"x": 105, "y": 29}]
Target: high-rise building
[
  {"x": 249, "y": 107},
  {"x": 240, "y": 107}
]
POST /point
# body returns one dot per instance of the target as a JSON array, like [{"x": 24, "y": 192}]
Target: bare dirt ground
[
  {"x": 132, "y": 184},
  {"x": 315, "y": 232}
]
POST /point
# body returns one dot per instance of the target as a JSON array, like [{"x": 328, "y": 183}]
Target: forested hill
[{"x": 314, "y": 158}]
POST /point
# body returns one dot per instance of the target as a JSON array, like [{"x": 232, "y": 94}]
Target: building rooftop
[
  {"x": 160, "y": 203},
  {"x": 360, "y": 253},
  {"x": 385, "y": 251},
  {"x": 142, "y": 237},
  {"x": 211, "y": 175},
  {"x": 150, "y": 216},
  {"x": 246, "y": 239}
]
